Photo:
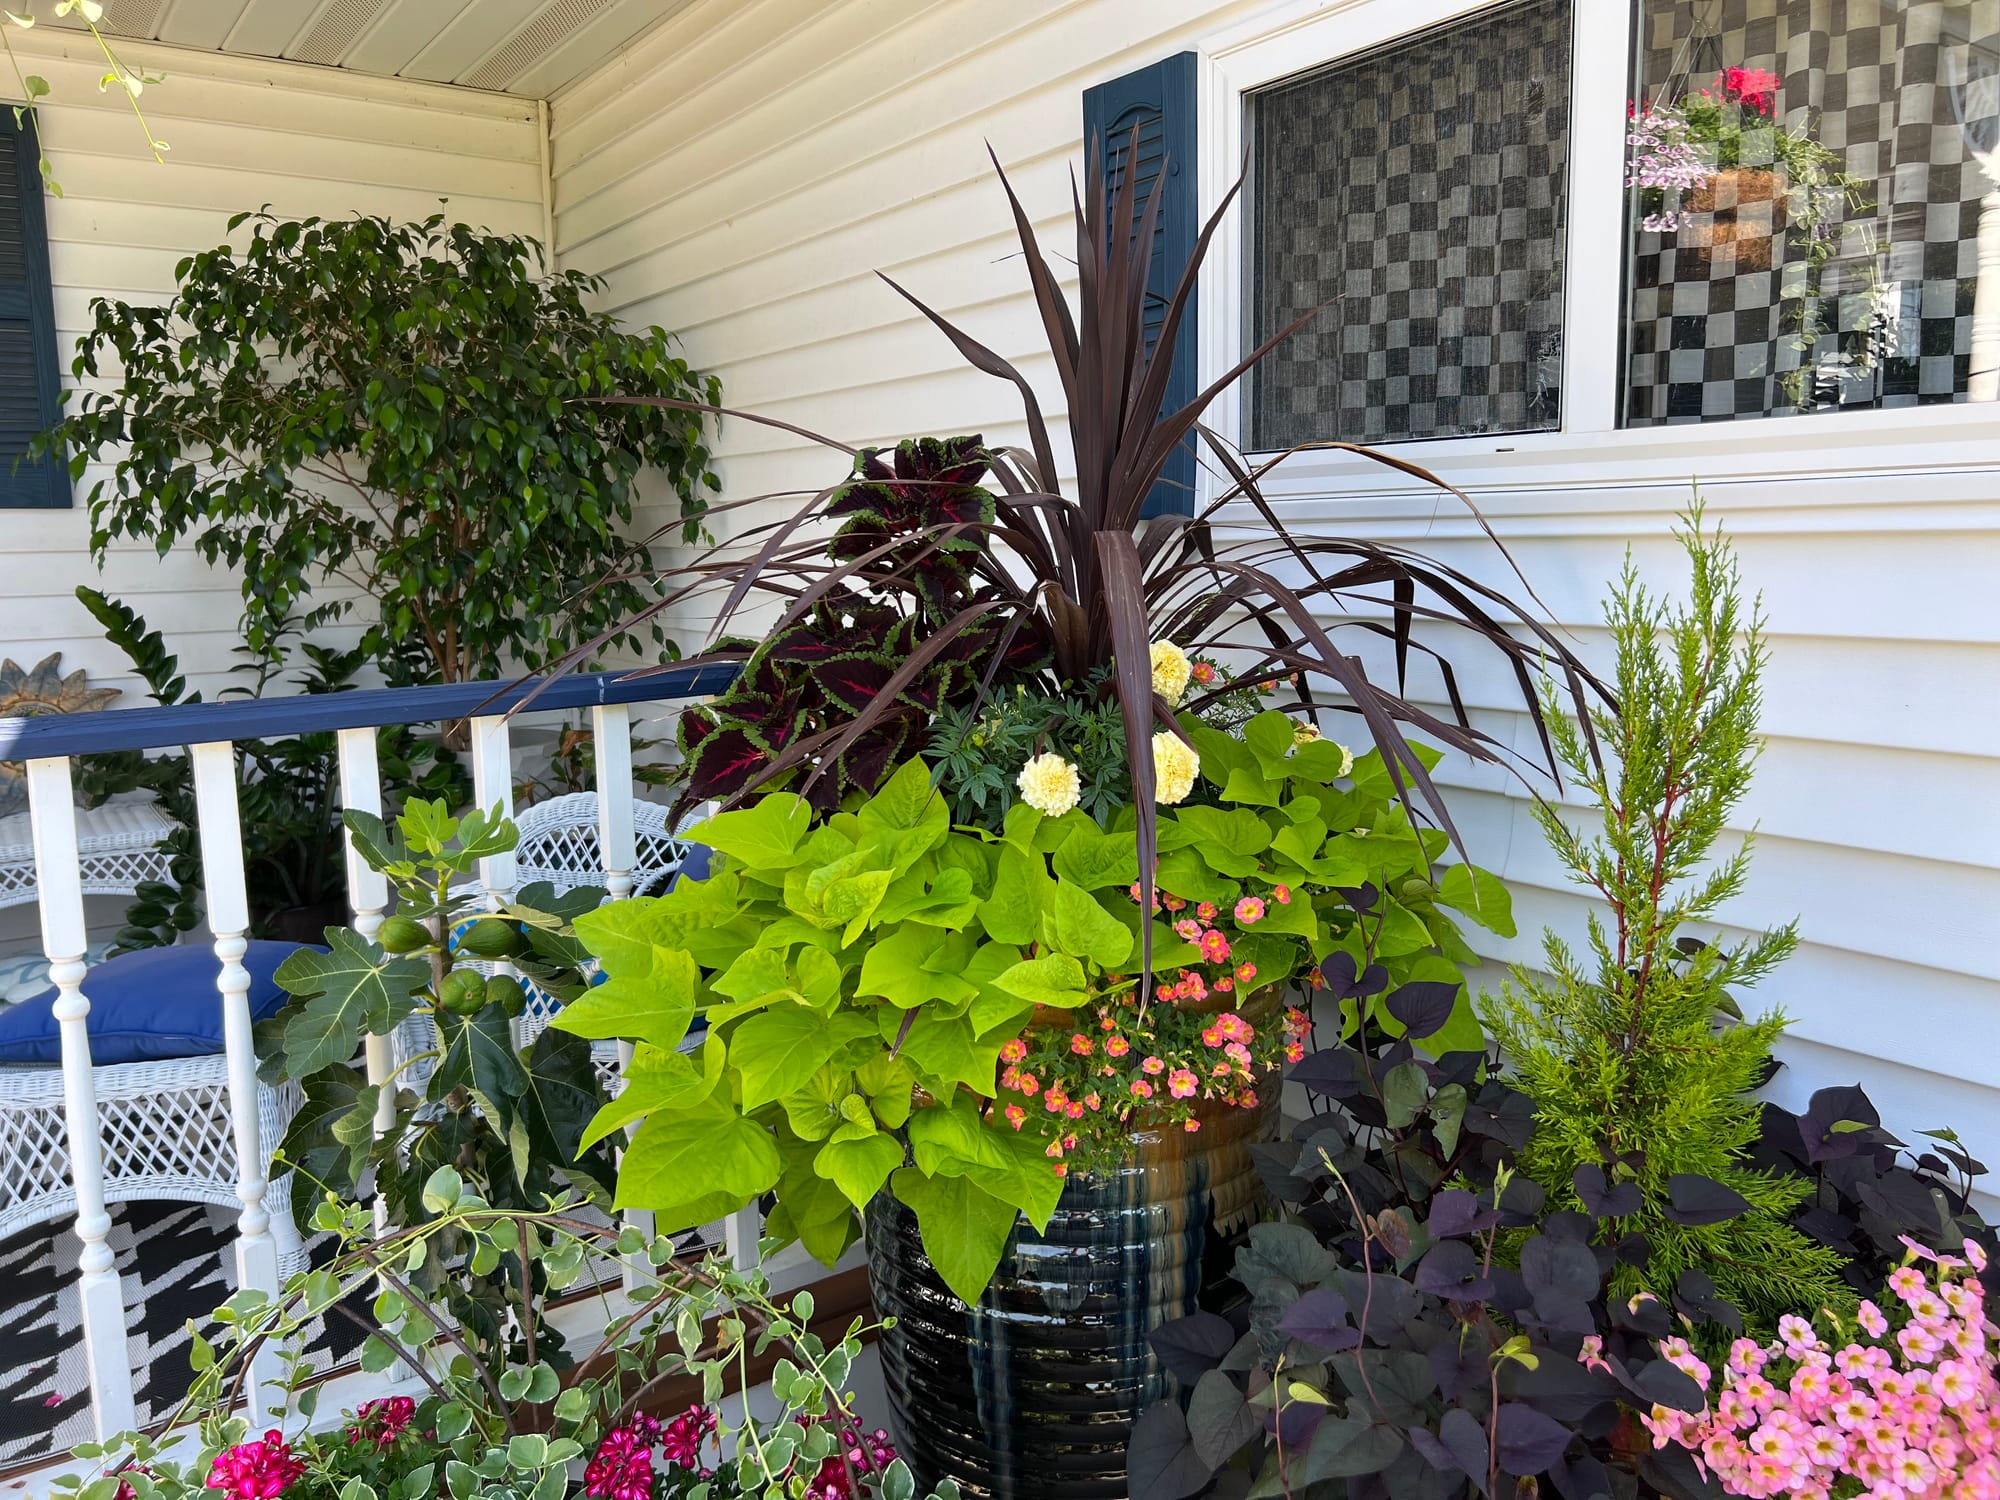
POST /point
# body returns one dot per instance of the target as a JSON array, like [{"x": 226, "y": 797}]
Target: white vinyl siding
[
  {"x": 242, "y": 133},
  {"x": 742, "y": 173}
]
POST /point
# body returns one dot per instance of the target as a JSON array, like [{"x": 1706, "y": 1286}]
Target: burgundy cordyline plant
[{"x": 949, "y": 570}]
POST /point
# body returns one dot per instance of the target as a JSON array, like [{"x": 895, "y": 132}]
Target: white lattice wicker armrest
[
  {"x": 117, "y": 844},
  {"x": 166, "y": 1132}
]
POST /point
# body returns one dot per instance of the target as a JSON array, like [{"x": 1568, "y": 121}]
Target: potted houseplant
[
  {"x": 1718, "y": 166},
  {"x": 991, "y": 815}
]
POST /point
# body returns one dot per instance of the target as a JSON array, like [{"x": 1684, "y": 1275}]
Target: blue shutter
[
  {"x": 30, "y": 388},
  {"x": 1160, "y": 101}
]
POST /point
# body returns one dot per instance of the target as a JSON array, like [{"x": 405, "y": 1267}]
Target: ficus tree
[{"x": 400, "y": 411}]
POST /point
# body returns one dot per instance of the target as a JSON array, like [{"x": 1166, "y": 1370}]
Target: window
[
  {"x": 1419, "y": 191},
  {"x": 29, "y": 385},
  {"x": 1810, "y": 182}
]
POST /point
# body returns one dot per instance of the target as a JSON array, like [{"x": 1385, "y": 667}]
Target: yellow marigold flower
[
  {"x": 1174, "y": 768},
  {"x": 1304, "y": 734},
  {"x": 1171, "y": 670},
  {"x": 1049, "y": 784}
]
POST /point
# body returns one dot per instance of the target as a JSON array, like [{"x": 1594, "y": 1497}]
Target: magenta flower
[
  {"x": 622, "y": 1467},
  {"x": 256, "y": 1471},
  {"x": 382, "y": 1422}
]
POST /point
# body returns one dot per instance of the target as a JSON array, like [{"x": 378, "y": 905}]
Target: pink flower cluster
[
  {"x": 1902, "y": 1405},
  {"x": 1753, "y": 88},
  {"x": 865, "y": 1453},
  {"x": 1663, "y": 157},
  {"x": 257, "y": 1470},
  {"x": 622, "y": 1466},
  {"x": 382, "y": 1422}
]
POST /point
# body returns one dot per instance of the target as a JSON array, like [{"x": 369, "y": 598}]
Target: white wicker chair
[
  {"x": 165, "y": 1125},
  {"x": 558, "y": 844}
]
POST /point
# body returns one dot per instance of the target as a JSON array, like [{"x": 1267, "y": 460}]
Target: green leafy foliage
[
  {"x": 400, "y": 409},
  {"x": 508, "y": 1120},
  {"x": 1639, "y": 1059},
  {"x": 480, "y": 1427},
  {"x": 860, "y": 973}
]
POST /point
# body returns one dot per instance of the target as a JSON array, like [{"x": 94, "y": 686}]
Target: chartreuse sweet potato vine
[{"x": 859, "y": 974}]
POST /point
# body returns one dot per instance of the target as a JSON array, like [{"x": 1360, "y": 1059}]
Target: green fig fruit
[
  {"x": 463, "y": 992},
  {"x": 403, "y": 935},
  {"x": 492, "y": 937}
]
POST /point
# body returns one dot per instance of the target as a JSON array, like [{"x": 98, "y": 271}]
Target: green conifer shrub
[{"x": 1640, "y": 1064}]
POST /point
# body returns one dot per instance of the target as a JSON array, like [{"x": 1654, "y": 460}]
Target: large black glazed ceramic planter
[{"x": 1032, "y": 1394}]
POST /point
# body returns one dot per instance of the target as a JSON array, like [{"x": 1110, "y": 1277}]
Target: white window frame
[{"x": 1589, "y": 450}]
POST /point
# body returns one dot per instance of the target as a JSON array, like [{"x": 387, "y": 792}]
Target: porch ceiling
[{"x": 525, "y": 47}]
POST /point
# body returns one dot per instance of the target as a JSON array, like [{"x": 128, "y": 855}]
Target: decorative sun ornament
[{"x": 27, "y": 695}]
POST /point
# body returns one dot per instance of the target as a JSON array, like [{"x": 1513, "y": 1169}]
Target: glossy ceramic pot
[{"x": 1032, "y": 1394}]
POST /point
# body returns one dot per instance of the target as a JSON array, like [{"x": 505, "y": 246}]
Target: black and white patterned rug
[{"x": 177, "y": 1263}]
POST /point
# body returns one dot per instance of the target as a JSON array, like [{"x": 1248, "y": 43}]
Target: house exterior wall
[
  {"x": 243, "y": 133},
  {"x": 742, "y": 173}
]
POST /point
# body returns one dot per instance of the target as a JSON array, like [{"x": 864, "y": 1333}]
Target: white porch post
[
  {"x": 52, "y": 815},
  {"x": 368, "y": 898},
  {"x": 229, "y": 919}
]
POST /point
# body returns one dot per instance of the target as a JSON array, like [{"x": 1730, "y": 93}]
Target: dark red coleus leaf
[
  {"x": 722, "y": 764},
  {"x": 853, "y": 682}
]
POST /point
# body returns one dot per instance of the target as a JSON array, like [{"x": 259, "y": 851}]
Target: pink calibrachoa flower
[
  {"x": 1153, "y": 1065},
  {"x": 1182, "y": 1084},
  {"x": 1013, "y": 1051},
  {"x": 1215, "y": 947},
  {"x": 1117, "y": 1046},
  {"x": 1249, "y": 911},
  {"x": 1191, "y": 1126},
  {"x": 1082, "y": 1045},
  {"x": 258, "y": 1470},
  {"x": 1188, "y": 930},
  {"x": 1207, "y": 911},
  {"x": 1245, "y": 973},
  {"x": 1141, "y": 1089},
  {"x": 1283, "y": 893},
  {"x": 1871, "y": 1418},
  {"x": 1016, "y": 1116}
]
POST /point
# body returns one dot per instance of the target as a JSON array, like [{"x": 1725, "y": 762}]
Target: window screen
[
  {"x": 1420, "y": 191},
  {"x": 1807, "y": 183}
]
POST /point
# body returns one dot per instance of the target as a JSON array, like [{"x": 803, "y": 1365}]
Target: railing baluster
[
  {"x": 617, "y": 847},
  {"x": 65, "y": 939},
  {"x": 221, "y": 833},
  {"x": 368, "y": 897},
  {"x": 618, "y": 852},
  {"x": 493, "y": 784}
]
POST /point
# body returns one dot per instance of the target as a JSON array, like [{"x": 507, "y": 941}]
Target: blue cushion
[
  {"x": 146, "y": 1006},
  {"x": 694, "y": 865}
]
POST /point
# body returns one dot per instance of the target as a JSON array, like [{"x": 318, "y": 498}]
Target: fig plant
[{"x": 449, "y": 981}]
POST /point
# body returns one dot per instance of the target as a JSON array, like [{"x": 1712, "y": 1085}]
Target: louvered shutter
[
  {"x": 29, "y": 383},
  {"x": 1160, "y": 100}
]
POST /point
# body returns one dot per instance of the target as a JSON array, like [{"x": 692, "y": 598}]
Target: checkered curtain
[
  {"x": 1421, "y": 191},
  {"x": 1707, "y": 335}
]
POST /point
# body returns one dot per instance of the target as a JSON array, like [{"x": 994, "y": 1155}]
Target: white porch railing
[{"x": 211, "y": 732}]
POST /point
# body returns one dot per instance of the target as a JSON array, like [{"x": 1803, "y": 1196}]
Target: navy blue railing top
[{"x": 270, "y": 718}]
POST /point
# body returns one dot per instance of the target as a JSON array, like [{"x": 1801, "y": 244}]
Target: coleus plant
[
  {"x": 1419, "y": 1325},
  {"x": 861, "y": 976},
  {"x": 938, "y": 587}
]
